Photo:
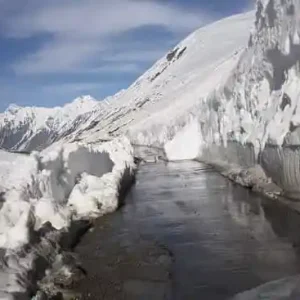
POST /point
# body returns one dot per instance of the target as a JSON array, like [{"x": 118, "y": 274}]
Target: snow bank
[
  {"x": 64, "y": 182},
  {"x": 186, "y": 144},
  {"x": 253, "y": 118},
  {"x": 283, "y": 289}
]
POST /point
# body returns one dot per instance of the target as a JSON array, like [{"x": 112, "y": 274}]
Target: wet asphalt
[{"x": 186, "y": 232}]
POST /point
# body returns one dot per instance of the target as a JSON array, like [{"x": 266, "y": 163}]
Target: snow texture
[
  {"x": 283, "y": 289},
  {"x": 64, "y": 182}
]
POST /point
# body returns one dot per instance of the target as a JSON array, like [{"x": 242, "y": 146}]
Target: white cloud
[
  {"x": 73, "y": 87},
  {"x": 57, "y": 56},
  {"x": 116, "y": 68},
  {"x": 136, "y": 56},
  {"x": 81, "y": 31},
  {"x": 94, "y": 18}
]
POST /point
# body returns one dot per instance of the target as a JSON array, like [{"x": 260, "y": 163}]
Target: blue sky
[{"x": 55, "y": 50}]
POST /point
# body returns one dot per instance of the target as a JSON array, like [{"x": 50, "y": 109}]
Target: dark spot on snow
[
  {"x": 286, "y": 100},
  {"x": 230, "y": 135},
  {"x": 172, "y": 54},
  {"x": 215, "y": 104},
  {"x": 239, "y": 104},
  {"x": 282, "y": 63},
  {"x": 250, "y": 41},
  {"x": 181, "y": 52},
  {"x": 77, "y": 140},
  {"x": 271, "y": 13},
  {"x": 92, "y": 125},
  {"x": 293, "y": 127},
  {"x": 142, "y": 103},
  {"x": 158, "y": 74},
  {"x": 2, "y": 199},
  {"x": 111, "y": 132},
  {"x": 262, "y": 22},
  {"x": 291, "y": 10},
  {"x": 295, "y": 111},
  {"x": 242, "y": 130},
  {"x": 258, "y": 15},
  {"x": 227, "y": 92}
]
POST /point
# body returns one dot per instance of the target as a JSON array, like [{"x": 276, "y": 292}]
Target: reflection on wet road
[{"x": 224, "y": 238}]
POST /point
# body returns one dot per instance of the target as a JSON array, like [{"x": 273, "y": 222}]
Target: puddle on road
[{"x": 188, "y": 233}]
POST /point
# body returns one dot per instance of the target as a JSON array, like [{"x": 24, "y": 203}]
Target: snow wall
[
  {"x": 61, "y": 184},
  {"x": 251, "y": 121},
  {"x": 286, "y": 288}
]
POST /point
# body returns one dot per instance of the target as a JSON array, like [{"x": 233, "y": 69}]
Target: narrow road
[{"x": 188, "y": 233}]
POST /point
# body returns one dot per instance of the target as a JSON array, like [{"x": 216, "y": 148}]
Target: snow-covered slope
[
  {"x": 187, "y": 73},
  {"x": 282, "y": 289},
  {"x": 61, "y": 184},
  {"x": 252, "y": 120},
  {"x": 147, "y": 110}
]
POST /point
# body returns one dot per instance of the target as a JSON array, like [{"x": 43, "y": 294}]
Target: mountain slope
[
  {"x": 188, "y": 72},
  {"x": 175, "y": 83}
]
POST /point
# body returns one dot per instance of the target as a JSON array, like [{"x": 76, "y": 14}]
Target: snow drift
[
  {"x": 63, "y": 183},
  {"x": 282, "y": 289},
  {"x": 257, "y": 108}
]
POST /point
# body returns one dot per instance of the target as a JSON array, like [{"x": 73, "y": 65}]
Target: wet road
[{"x": 223, "y": 238}]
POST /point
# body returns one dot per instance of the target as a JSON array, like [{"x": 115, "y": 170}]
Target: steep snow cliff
[
  {"x": 252, "y": 120},
  {"x": 257, "y": 116}
]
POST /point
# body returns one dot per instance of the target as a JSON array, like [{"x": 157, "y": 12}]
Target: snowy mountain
[
  {"x": 222, "y": 96},
  {"x": 28, "y": 128},
  {"x": 178, "y": 79},
  {"x": 147, "y": 111}
]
